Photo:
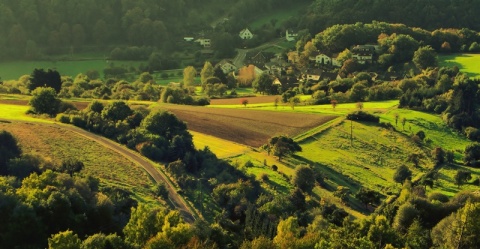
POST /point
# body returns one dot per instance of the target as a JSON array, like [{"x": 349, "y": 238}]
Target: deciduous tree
[{"x": 44, "y": 101}]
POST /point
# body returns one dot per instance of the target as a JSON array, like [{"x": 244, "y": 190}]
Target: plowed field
[{"x": 249, "y": 127}]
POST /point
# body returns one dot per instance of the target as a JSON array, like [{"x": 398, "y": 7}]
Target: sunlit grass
[
  {"x": 222, "y": 148},
  {"x": 467, "y": 63}
]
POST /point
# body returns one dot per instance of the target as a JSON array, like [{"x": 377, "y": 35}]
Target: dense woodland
[
  {"x": 58, "y": 206},
  {"x": 427, "y": 14},
  {"x": 32, "y": 28}
]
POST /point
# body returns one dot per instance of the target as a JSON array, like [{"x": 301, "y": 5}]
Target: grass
[
  {"x": 467, "y": 63},
  {"x": 58, "y": 144},
  {"x": 13, "y": 70},
  {"x": 221, "y": 147},
  {"x": 55, "y": 144},
  {"x": 18, "y": 112},
  {"x": 340, "y": 109}
]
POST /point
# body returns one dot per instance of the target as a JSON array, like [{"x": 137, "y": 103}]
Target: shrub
[
  {"x": 274, "y": 167},
  {"x": 62, "y": 118},
  {"x": 264, "y": 177},
  {"x": 78, "y": 121},
  {"x": 363, "y": 116},
  {"x": 436, "y": 196},
  {"x": 472, "y": 133}
]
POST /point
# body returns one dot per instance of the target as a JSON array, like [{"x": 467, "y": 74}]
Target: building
[
  {"x": 291, "y": 35},
  {"x": 246, "y": 34}
]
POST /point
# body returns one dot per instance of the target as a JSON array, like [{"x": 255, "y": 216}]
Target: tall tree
[
  {"x": 425, "y": 57},
  {"x": 207, "y": 72},
  {"x": 189, "y": 74},
  {"x": 263, "y": 84},
  {"x": 304, "y": 178},
  {"x": 401, "y": 174},
  {"x": 281, "y": 146},
  {"x": 9, "y": 149},
  {"x": 41, "y": 78},
  {"x": 44, "y": 100}
]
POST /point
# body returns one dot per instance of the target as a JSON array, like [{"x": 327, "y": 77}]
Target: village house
[
  {"x": 323, "y": 59},
  {"x": 226, "y": 66},
  {"x": 313, "y": 74},
  {"x": 204, "y": 42},
  {"x": 246, "y": 34},
  {"x": 259, "y": 58},
  {"x": 291, "y": 35},
  {"x": 363, "y": 53}
]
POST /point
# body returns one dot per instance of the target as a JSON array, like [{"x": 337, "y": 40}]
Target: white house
[
  {"x": 290, "y": 35},
  {"x": 188, "y": 39},
  {"x": 246, "y": 34},
  {"x": 363, "y": 53},
  {"x": 206, "y": 43},
  {"x": 226, "y": 66}
]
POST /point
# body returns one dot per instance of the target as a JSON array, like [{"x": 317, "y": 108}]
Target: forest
[
  {"x": 411, "y": 203},
  {"x": 33, "y": 27}
]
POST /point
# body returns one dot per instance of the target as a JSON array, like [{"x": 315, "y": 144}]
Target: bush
[
  {"x": 274, "y": 167},
  {"x": 472, "y": 133},
  {"x": 78, "y": 121},
  {"x": 436, "y": 196},
  {"x": 363, "y": 116},
  {"x": 66, "y": 106},
  {"x": 264, "y": 177},
  {"x": 62, "y": 118}
]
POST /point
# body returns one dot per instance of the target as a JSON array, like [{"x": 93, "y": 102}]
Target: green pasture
[
  {"x": 18, "y": 112},
  {"x": 262, "y": 164},
  {"x": 437, "y": 133},
  {"x": 467, "y": 63},
  {"x": 13, "y": 70},
  {"x": 340, "y": 109},
  {"x": 220, "y": 147}
]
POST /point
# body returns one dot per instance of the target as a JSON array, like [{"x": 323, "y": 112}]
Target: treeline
[
  {"x": 427, "y": 14},
  {"x": 31, "y": 27}
]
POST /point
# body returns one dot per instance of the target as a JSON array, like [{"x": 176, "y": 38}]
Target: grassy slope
[
  {"x": 375, "y": 154},
  {"x": 468, "y": 63},
  {"x": 56, "y": 144}
]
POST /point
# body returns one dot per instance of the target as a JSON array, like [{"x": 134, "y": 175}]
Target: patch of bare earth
[{"x": 249, "y": 127}]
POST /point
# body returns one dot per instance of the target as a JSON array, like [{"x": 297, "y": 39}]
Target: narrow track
[{"x": 174, "y": 198}]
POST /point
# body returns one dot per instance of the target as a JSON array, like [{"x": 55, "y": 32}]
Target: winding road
[{"x": 174, "y": 198}]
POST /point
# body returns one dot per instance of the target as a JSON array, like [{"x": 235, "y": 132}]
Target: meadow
[
  {"x": 55, "y": 144},
  {"x": 13, "y": 70},
  {"x": 467, "y": 63}
]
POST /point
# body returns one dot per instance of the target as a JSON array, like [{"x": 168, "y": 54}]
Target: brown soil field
[
  {"x": 249, "y": 127},
  {"x": 251, "y": 100}
]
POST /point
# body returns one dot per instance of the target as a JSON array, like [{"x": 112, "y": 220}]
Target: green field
[
  {"x": 467, "y": 63},
  {"x": 13, "y": 70},
  {"x": 222, "y": 148}
]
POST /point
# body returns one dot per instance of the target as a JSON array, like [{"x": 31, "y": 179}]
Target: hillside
[{"x": 427, "y": 14}]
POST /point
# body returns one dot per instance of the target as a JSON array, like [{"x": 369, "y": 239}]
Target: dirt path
[{"x": 175, "y": 199}]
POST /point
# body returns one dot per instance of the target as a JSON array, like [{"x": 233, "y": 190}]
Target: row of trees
[{"x": 427, "y": 14}]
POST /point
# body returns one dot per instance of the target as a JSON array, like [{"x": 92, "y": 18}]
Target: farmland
[
  {"x": 467, "y": 63},
  {"x": 56, "y": 144},
  {"x": 248, "y": 127}
]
